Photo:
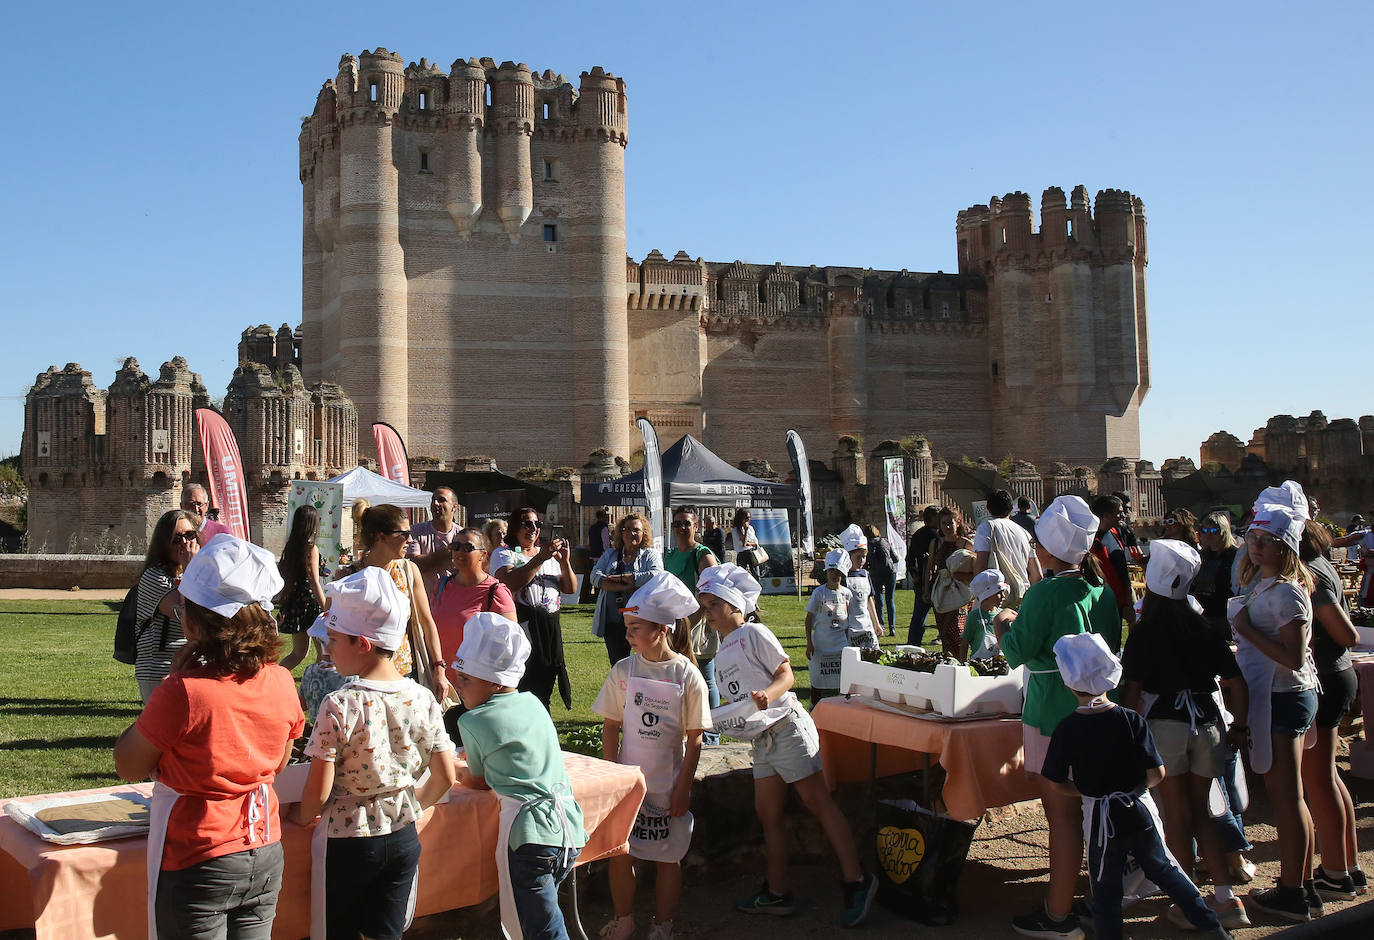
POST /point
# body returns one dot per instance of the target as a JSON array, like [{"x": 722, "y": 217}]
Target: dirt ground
[{"x": 1005, "y": 874}]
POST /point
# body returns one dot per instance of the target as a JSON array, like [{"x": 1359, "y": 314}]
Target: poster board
[
  {"x": 777, "y": 575},
  {"x": 327, "y": 498}
]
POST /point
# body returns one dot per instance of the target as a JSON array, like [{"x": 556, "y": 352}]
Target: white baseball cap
[
  {"x": 662, "y": 599},
  {"x": 1086, "y": 664},
  {"x": 987, "y": 583},
  {"x": 1066, "y": 528},
  {"x": 732, "y": 584},
  {"x": 493, "y": 648},
  {"x": 852, "y": 538},
  {"x": 1282, "y": 521},
  {"x": 367, "y": 603},
  {"x": 228, "y": 574},
  {"x": 838, "y": 559},
  {"x": 1172, "y": 567}
]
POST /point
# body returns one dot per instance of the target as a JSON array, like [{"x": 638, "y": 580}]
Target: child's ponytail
[{"x": 680, "y": 639}]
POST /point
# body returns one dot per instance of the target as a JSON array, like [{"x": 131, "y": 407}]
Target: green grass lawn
[{"x": 63, "y": 700}]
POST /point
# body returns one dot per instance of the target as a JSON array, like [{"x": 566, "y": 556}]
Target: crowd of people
[{"x": 437, "y": 635}]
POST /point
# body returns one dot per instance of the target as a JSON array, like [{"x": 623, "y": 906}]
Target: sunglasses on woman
[
  {"x": 1209, "y": 530},
  {"x": 187, "y": 537},
  {"x": 405, "y": 532},
  {"x": 1262, "y": 540},
  {"x": 529, "y": 523},
  {"x": 466, "y": 547}
]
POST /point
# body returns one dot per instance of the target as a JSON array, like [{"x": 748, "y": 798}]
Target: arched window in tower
[
  {"x": 371, "y": 91},
  {"x": 907, "y": 308},
  {"x": 546, "y": 110},
  {"x": 743, "y": 302},
  {"x": 424, "y": 100},
  {"x": 782, "y": 304},
  {"x": 944, "y": 310}
]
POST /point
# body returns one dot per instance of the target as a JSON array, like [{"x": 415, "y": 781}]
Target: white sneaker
[
  {"x": 661, "y": 930},
  {"x": 622, "y": 928}
]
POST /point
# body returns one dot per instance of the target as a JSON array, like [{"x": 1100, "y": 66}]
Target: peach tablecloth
[
  {"x": 982, "y": 759},
  {"x": 88, "y": 891}
]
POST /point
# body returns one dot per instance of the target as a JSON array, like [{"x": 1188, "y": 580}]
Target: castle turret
[
  {"x": 467, "y": 113},
  {"x": 848, "y": 348},
  {"x": 595, "y": 242},
  {"x": 512, "y": 124},
  {"x": 372, "y": 282}
]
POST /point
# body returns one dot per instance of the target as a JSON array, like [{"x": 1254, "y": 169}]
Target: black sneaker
[
  {"x": 1315, "y": 908},
  {"x": 1331, "y": 888},
  {"x": 766, "y": 902},
  {"x": 858, "y": 899},
  {"x": 1288, "y": 903},
  {"x": 1361, "y": 882},
  {"x": 1039, "y": 923}
]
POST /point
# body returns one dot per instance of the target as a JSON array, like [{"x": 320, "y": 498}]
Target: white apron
[
  {"x": 654, "y": 742},
  {"x": 829, "y": 637},
  {"x": 511, "y": 807},
  {"x": 1098, "y": 830},
  {"x": 1258, "y": 670},
  {"x": 160, "y": 811}
]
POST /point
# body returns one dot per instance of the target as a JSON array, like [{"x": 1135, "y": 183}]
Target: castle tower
[
  {"x": 466, "y": 118},
  {"x": 848, "y": 348},
  {"x": 512, "y": 124},
  {"x": 596, "y": 249},
  {"x": 1067, "y": 337},
  {"x": 373, "y": 315}
]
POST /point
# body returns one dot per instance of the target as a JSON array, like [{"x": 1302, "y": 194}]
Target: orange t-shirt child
[{"x": 221, "y": 737}]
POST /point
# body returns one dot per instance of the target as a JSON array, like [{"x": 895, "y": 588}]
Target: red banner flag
[
  {"x": 391, "y": 453},
  {"x": 226, "y": 484}
]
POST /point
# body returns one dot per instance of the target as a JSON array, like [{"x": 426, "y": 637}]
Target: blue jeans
[
  {"x": 536, "y": 871},
  {"x": 1148, "y": 848},
  {"x": 917, "y": 633},
  {"x": 884, "y": 597},
  {"x": 367, "y": 884},
  {"x": 1229, "y": 827},
  {"x": 708, "y": 672},
  {"x": 229, "y": 896}
]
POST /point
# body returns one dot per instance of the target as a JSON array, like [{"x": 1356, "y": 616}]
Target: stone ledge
[{"x": 63, "y": 572}]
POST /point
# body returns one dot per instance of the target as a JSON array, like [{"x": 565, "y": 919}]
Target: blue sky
[{"x": 152, "y": 205}]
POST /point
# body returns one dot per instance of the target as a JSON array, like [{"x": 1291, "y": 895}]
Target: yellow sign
[{"x": 900, "y": 851}]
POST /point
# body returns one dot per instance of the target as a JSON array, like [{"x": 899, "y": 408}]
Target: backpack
[{"x": 127, "y": 629}]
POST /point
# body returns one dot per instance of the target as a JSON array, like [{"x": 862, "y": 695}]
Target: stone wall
[{"x": 63, "y": 572}]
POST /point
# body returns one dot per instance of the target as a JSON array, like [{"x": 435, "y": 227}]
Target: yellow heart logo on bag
[{"x": 900, "y": 851}]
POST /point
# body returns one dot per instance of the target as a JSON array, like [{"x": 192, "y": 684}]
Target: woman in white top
[
  {"x": 745, "y": 542},
  {"x": 1273, "y": 624}
]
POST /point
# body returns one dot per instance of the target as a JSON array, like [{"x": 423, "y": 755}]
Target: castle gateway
[{"x": 465, "y": 279}]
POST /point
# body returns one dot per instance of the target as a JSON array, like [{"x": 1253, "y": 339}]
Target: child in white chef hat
[
  {"x": 864, "y": 628},
  {"x": 655, "y": 705},
  {"x": 217, "y": 731},
  {"x": 827, "y": 626},
  {"x": 1175, "y": 657},
  {"x": 511, "y": 747},
  {"x": 755, "y": 679},
  {"x": 373, "y": 741},
  {"x": 980, "y": 629},
  {"x": 1105, "y": 753}
]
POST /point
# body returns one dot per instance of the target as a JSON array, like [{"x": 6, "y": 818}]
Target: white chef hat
[
  {"x": 1086, "y": 664},
  {"x": 987, "y": 583},
  {"x": 1282, "y": 521},
  {"x": 732, "y": 584},
  {"x": 1288, "y": 494},
  {"x": 662, "y": 599},
  {"x": 228, "y": 574},
  {"x": 852, "y": 538},
  {"x": 367, "y": 603},
  {"x": 493, "y": 648},
  {"x": 1172, "y": 567},
  {"x": 1066, "y": 528},
  {"x": 839, "y": 560}
]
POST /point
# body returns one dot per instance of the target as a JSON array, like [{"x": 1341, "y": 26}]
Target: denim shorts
[{"x": 1291, "y": 713}]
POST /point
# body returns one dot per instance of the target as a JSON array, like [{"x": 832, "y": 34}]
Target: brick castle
[{"x": 465, "y": 279}]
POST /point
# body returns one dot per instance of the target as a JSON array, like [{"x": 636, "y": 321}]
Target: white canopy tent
[{"x": 362, "y": 483}]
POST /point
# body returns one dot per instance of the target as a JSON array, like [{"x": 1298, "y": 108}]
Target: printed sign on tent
[
  {"x": 894, "y": 469},
  {"x": 227, "y": 491}
]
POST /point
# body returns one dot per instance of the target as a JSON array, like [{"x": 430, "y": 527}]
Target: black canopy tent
[
  {"x": 693, "y": 476},
  {"x": 463, "y": 482}
]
